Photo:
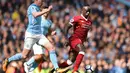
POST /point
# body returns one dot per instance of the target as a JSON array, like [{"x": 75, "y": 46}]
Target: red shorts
[{"x": 73, "y": 43}]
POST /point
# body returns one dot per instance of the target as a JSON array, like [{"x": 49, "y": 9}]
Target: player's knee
[
  {"x": 80, "y": 47},
  {"x": 25, "y": 53}
]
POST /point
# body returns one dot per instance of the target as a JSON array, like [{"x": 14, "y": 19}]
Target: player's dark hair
[
  {"x": 85, "y": 4},
  {"x": 89, "y": 9}
]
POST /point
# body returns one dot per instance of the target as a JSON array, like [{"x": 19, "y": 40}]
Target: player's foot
[
  {"x": 59, "y": 70},
  {"x": 63, "y": 70},
  {"x": 26, "y": 67},
  {"x": 52, "y": 70},
  {"x": 5, "y": 64}
]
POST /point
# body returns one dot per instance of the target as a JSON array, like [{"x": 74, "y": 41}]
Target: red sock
[
  {"x": 65, "y": 64},
  {"x": 40, "y": 67},
  {"x": 78, "y": 60}
]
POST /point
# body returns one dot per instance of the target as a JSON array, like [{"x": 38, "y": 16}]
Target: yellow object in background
[{"x": 15, "y": 15}]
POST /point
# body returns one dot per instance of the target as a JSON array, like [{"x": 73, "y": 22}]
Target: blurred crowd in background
[{"x": 107, "y": 45}]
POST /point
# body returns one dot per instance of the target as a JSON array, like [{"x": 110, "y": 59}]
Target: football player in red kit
[{"x": 81, "y": 25}]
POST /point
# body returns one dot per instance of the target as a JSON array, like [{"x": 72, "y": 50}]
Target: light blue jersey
[
  {"x": 45, "y": 25},
  {"x": 34, "y": 25}
]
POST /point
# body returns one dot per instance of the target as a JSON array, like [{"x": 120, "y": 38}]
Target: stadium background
[{"x": 108, "y": 46}]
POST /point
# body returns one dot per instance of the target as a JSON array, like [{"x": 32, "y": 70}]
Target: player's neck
[
  {"x": 35, "y": 3},
  {"x": 86, "y": 18}
]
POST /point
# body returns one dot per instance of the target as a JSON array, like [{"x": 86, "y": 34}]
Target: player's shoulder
[
  {"x": 76, "y": 18},
  {"x": 32, "y": 6}
]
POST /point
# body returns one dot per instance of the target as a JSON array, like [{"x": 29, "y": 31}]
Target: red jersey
[{"x": 81, "y": 26}]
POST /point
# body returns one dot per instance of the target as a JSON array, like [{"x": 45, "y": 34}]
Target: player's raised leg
[
  {"x": 65, "y": 66},
  {"x": 15, "y": 57},
  {"x": 76, "y": 54},
  {"x": 72, "y": 56},
  {"x": 52, "y": 53},
  {"x": 33, "y": 62},
  {"x": 28, "y": 43},
  {"x": 79, "y": 57}
]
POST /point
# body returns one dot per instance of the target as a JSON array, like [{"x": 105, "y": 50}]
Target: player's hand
[
  {"x": 50, "y": 7},
  {"x": 53, "y": 33},
  {"x": 66, "y": 44},
  {"x": 44, "y": 9}
]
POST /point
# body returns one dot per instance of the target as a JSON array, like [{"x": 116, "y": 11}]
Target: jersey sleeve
[{"x": 73, "y": 21}]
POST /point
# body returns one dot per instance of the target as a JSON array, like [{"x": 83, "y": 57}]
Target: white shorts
[
  {"x": 31, "y": 39},
  {"x": 38, "y": 49}
]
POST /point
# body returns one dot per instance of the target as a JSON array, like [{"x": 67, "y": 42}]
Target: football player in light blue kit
[
  {"x": 34, "y": 34},
  {"x": 38, "y": 49}
]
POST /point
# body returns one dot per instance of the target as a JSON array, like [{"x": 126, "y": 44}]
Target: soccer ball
[{"x": 89, "y": 68}]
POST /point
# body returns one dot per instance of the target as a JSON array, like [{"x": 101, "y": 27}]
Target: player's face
[
  {"x": 86, "y": 11},
  {"x": 46, "y": 14},
  {"x": 40, "y": 2}
]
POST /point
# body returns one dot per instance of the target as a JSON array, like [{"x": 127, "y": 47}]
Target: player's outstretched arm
[
  {"x": 67, "y": 29},
  {"x": 36, "y": 14},
  {"x": 66, "y": 32}
]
